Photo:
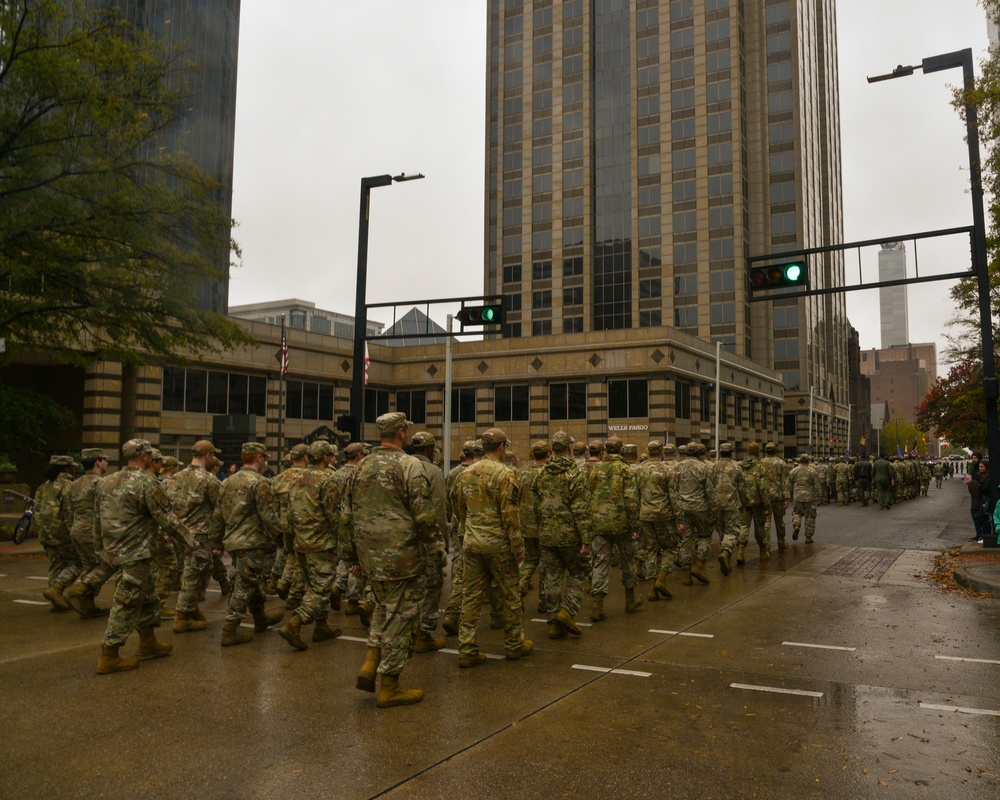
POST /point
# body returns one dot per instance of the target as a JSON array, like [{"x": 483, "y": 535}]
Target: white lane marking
[
  {"x": 606, "y": 670},
  {"x": 3, "y": 574},
  {"x": 581, "y": 624},
  {"x": 683, "y": 633},
  {"x": 960, "y": 709},
  {"x": 32, "y": 602},
  {"x": 354, "y": 638},
  {"x": 774, "y": 689},
  {"x": 455, "y": 652},
  {"x": 818, "y": 646},
  {"x": 246, "y": 624},
  {"x": 36, "y": 577},
  {"x": 972, "y": 660}
]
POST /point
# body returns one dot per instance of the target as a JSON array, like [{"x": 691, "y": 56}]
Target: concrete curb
[{"x": 964, "y": 578}]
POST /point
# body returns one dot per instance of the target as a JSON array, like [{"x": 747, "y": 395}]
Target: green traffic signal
[
  {"x": 793, "y": 272},
  {"x": 779, "y": 276},
  {"x": 481, "y": 315}
]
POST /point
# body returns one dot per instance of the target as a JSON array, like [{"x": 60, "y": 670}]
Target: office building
[
  {"x": 638, "y": 153},
  {"x": 901, "y": 377},
  {"x": 893, "y": 312}
]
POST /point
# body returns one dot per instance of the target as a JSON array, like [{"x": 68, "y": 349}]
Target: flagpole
[{"x": 283, "y": 357}]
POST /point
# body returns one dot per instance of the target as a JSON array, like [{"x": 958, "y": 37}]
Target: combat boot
[
  {"x": 389, "y": 694},
  {"x": 795, "y": 532},
  {"x": 765, "y": 554},
  {"x": 698, "y": 571},
  {"x": 281, "y": 588},
  {"x": 272, "y": 586},
  {"x": 185, "y": 622},
  {"x": 352, "y": 608},
  {"x": 110, "y": 662},
  {"x": 466, "y": 662},
  {"x": 526, "y": 649},
  {"x": 323, "y": 632},
  {"x": 365, "y": 611},
  {"x": 567, "y": 623},
  {"x": 741, "y": 553},
  {"x": 660, "y": 587},
  {"x": 293, "y": 602},
  {"x": 724, "y": 562},
  {"x": 426, "y": 643},
  {"x": 652, "y": 596},
  {"x": 640, "y": 569},
  {"x": 231, "y": 634},
  {"x": 54, "y": 594},
  {"x": 262, "y": 620},
  {"x": 686, "y": 573},
  {"x": 782, "y": 545},
  {"x": 450, "y": 626},
  {"x": 556, "y": 631},
  {"x": 597, "y": 609},
  {"x": 291, "y": 633},
  {"x": 335, "y": 596},
  {"x": 366, "y": 675},
  {"x": 81, "y": 599},
  {"x": 632, "y": 603},
  {"x": 149, "y": 647},
  {"x": 809, "y": 539}
]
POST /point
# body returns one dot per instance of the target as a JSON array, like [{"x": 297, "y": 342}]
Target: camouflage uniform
[
  {"x": 729, "y": 485},
  {"x": 656, "y": 516},
  {"x": 434, "y": 557},
  {"x": 132, "y": 509},
  {"x": 805, "y": 488},
  {"x": 692, "y": 496},
  {"x": 925, "y": 478},
  {"x": 529, "y": 524},
  {"x": 842, "y": 472},
  {"x": 487, "y": 504},
  {"x": 454, "y": 610},
  {"x": 614, "y": 514},
  {"x": 756, "y": 510},
  {"x": 82, "y": 498},
  {"x": 246, "y": 524},
  {"x": 884, "y": 477},
  {"x": 774, "y": 490},
  {"x": 193, "y": 494},
  {"x": 562, "y": 517},
  {"x": 54, "y": 517},
  {"x": 291, "y": 581},
  {"x": 346, "y": 584},
  {"x": 388, "y": 524},
  {"x": 938, "y": 474}
]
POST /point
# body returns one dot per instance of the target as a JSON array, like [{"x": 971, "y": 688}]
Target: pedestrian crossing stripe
[
  {"x": 33, "y": 602},
  {"x": 608, "y": 670}
]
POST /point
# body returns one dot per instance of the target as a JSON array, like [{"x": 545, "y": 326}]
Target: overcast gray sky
[{"x": 331, "y": 91}]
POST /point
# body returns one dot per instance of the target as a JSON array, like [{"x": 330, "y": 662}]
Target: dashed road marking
[
  {"x": 607, "y": 670},
  {"x": 581, "y": 624},
  {"x": 970, "y": 660},
  {"x": 683, "y": 633},
  {"x": 960, "y": 709},
  {"x": 32, "y": 602},
  {"x": 775, "y": 689},
  {"x": 36, "y": 577},
  {"x": 455, "y": 652},
  {"x": 354, "y": 638},
  {"x": 818, "y": 646}
]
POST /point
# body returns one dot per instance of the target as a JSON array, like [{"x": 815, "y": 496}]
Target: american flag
[
  {"x": 913, "y": 452},
  {"x": 283, "y": 353},
  {"x": 367, "y": 363}
]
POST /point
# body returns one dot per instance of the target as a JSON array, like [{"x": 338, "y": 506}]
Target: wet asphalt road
[{"x": 838, "y": 670}]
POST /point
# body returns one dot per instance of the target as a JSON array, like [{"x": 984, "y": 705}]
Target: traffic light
[
  {"x": 491, "y": 314},
  {"x": 779, "y": 276}
]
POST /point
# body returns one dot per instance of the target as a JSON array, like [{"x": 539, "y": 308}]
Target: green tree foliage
[
  {"x": 955, "y": 407},
  {"x": 24, "y": 417},
  {"x": 902, "y": 436},
  {"x": 106, "y": 235}
]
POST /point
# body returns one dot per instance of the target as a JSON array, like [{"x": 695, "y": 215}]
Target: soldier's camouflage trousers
[
  {"x": 350, "y": 587},
  {"x": 136, "y": 604},
  {"x": 169, "y": 561},
  {"x": 647, "y": 551},
  {"x": 319, "y": 571},
  {"x": 805, "y": 514},
  {"x": 86, "y": 555},
  {"x": 280, "y": 559},
  {"x": 433, "y": 581},
  {"x": 761, "y": 527},
  {"x": 778, "y": 515},
  {"x": 194, "y": 578},
  {"x": 532, "y": 558},
  {"x": 480, "y": 570},
  {"x": 457, "y": 592},
  {"x": 604, "y": 549},
  {"x": 250, "y": 571},
  {"x": 554, "y": 563},
  {"x": 64, "y": 563},
  {"x": 292, "y": 575},
  {"x": 843, "y": 492},
  {"x": 668, "y": 542},
  {"x": 696, "y": 540},
  {"x": 728, "y": 523},
  {"x": 394, "y": 621}
]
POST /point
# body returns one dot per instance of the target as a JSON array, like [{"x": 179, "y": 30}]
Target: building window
[
  {"x": 541, "y": 270},
  {"x": 791, "y": 380},
  {"x": 686, "y": 317},
  {"x": 650, "y": 319},
  {"x": 568, "y": 401},
  {"x": 541, "y": 299},
  {"x": 573, "y": 296},
  {"x": 173, "y": 388},
  {"x": 512, "y": 274},
  {"x": 788, "y": 428},
  {"x": 413, "y": 404},
  {"x": 722, "y": 281},
  {"x": 650, "y": 288},
  {"x": 682, "y": 400},
  {"x": 257, "y": 396},
  {"x": 376, "y": 403},
  {"x": 740, "y": 405},
  {"x": 463, "y": 404},
  {"x": 572, "y": 266},
  {"x": 628, "y": 399},
  {"x": 572, "y": 324},
  {"x": 706, "y": 402},
  {"x": 723, "y": 313},
  {"x": 510, "y": 403},
  {"x": 297, "y": 320},
  {"x": 541, "y": 327}
]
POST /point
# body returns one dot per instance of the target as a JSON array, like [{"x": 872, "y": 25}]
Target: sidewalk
[
  {"x": 980, "y": 569},
  {"x": 31, "y": 547}
]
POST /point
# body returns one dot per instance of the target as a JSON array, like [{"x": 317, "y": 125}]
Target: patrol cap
[
  {"x": 595, "y": 446},
  {"x": 319, "y": 450},
  {"x": 804, "y": 459},
  {"x": 157, "y": 455},
  {"x": 493, "y": 436},
  {"x": 669, "y": 447},
  {"x": 655, "y": 446},
  {"x": 134, "y": 448},
  {"x": 203, "y": 447},
  {"x": 254, "y": 449},
  {"x": 286, "y": 462},
  {"x": 726, "y": 448},
  {"x": 469, "y": 448},
  {"x": 298, "y": 452},
  {"x": 388, "y": 424},
  {"x": 170, "y": 461},
  {"x": 422, "y": 439},
  {"x": 579, "y": 448},
  {"x": 367, "y": 448},
  {"x": 540, "y": 448},
  {"x": 354, "y": 449},
  {"x": 561, "y": 440},
  {"x": 770, "y": 447},
  {"x": 613, "y": 444},
  {"x": 692, "y": 449},
  {"x": 753, "y": 449},
  {"x": 61, "y": 461},
  {"x": 628, "y": 449},
  {"x": 92, "y": 453}
]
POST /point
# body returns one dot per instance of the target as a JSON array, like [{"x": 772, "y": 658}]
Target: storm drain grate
[{"x": 867, "y": 563}]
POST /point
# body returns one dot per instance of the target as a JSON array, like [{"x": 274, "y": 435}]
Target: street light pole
[
  {"x": 980, "y": 265},
  {"x": 360, "y": 302}
]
